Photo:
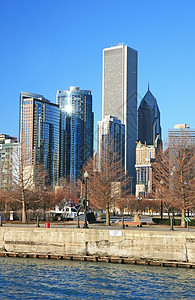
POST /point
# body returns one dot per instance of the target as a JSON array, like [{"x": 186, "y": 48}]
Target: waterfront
[{"x": 54, "y": 279}]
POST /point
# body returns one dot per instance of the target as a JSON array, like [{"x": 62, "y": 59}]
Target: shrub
[{"x": 177, "y": 222}]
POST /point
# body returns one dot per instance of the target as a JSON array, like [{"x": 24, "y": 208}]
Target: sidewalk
[{"x": 99, "y": 226}]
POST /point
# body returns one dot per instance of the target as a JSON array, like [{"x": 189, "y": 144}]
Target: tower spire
[{"x": 148, "y": 87}]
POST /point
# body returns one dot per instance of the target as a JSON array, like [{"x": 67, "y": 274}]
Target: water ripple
[{"x": 50, "y": 279}]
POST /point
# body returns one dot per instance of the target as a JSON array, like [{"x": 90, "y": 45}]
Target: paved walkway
[{"x": 100, "y": 226}]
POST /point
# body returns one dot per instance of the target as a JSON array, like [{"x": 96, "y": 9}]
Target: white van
[{"x": 64, "y": 213}]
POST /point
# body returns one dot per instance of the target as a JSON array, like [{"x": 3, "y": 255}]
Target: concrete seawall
[{"x": 147, "y": 245}]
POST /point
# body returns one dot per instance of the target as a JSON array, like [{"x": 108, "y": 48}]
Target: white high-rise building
[
  {"x": 120, "y": 95},
  {"x": 110, "y": 130}
]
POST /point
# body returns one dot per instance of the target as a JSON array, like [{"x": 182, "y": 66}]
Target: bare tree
[
  {"x": 174, "y": 171},
  {"x": 107, "y": 182},
  {"x": 67, "y": 192},
  {"x": 29, "y": 183}
]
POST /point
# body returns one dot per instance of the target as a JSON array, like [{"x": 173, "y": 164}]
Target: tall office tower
[
  {"x": 182, "y": 134},
  {"x": 120, "y": 95},
  {"x": 110, "y": 130},
  {"x": 39, "y": 133},
  {"x": 149, "y": 128},
  {"x": 76, "y": 142},
  {"x": 8, "y": 148}
]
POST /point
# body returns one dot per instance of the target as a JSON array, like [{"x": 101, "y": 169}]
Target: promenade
[{"x": 101, "y": 225}]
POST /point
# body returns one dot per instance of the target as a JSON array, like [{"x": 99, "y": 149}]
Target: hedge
[{"x": 177, "y": 222}]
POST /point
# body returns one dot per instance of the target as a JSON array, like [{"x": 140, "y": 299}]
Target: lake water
[{"x": 53, "y": 279}]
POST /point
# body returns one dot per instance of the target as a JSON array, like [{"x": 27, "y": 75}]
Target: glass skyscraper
[
  {"x": 39, "y": 133},
  {"x": 149, "y": 128},
  {"x": 76, "y": 131},
  {"x": 120, "y": 95}
]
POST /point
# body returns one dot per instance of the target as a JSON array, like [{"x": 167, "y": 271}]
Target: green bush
[{"x": 177, "y": 222}]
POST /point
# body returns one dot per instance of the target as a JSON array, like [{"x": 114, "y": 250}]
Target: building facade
[
  {"x": 76, "y": 131},
  {"x": 120, "y": 95},
  {"x": 149, "y": 128},
  {"x": 8, "y": 150},
  {"x": 145, "y": 156},
  {"x": 110, "y": 130},
  {"x": 39, "y": 134},
  {"x": 182, "y": 133}
]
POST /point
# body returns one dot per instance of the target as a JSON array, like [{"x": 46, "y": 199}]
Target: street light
[
  {"x": 171, "y": 216},
  {"x": 86, "y": 175},
  {"x": 161, "y": 202}
]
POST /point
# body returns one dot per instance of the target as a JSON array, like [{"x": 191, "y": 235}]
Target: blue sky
[{"x": 48, "y": 45}]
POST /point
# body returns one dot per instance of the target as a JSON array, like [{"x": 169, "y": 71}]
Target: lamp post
[
  {"x": 171, "y": 215},
  {"x": 161, "y": 202},
  {"x": 86, "y": 175},
  {"x": 161, "y": 209}
]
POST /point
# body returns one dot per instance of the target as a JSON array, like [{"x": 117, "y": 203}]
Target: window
[{"x": 26, "y": 102}]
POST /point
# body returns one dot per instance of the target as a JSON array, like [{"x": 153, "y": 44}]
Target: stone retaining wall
[{"x": 142, "y": 244}]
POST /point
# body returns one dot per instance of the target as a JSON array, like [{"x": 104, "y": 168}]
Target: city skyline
[{"x": 44, "y": 56}]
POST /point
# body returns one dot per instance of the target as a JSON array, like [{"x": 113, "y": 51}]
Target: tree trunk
[
  {"x": 183, "y": 223},
  {"x": 107, "y": 216},
  {"x": 24, "y": 220}
]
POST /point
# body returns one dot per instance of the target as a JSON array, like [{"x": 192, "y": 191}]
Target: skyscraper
[
  {"x": 76, "y": 142},
  {"x": 149, "y": 128},
  {"x": 8, "y": 147},
  {"x": 39, "y": 133},
  {"x": 111, "y": 129},
  {"x": 120, "y": 95},
  {"x": 149, "y": 137}
]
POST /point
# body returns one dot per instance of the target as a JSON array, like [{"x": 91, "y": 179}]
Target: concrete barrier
[{"x": 149, "y": 245}]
